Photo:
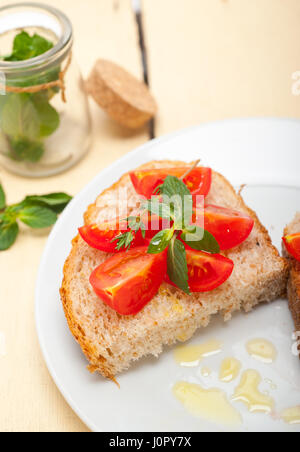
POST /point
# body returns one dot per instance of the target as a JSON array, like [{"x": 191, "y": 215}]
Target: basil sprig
[
  {"x": 176, "y": 198},
  {"x": 173, "y": 202},
  {"x": 37, "y": 212}
]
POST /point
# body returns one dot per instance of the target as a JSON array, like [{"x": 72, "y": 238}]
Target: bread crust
[
  {"x": 100, "y": 363},
  {"x": 294, "y": 279},
  {"x": 294, "y": 293}
]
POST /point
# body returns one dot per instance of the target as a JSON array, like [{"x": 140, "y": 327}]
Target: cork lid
[{"x": 126, "y": 99}]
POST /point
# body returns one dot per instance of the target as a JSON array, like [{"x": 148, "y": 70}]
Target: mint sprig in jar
[{"x": 45, "y": 125}]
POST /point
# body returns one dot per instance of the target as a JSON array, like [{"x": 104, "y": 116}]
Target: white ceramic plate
[{"x": 265, "y": 155}]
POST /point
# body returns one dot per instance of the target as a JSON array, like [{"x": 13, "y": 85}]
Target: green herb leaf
[
  {"x": 158, "y": 208},
  {"x": 136, "y": 224},
  {"x": 48, "y": 116},
  {"x": 124, "y": 240},
  {"x": 176, "y": 193},
  {"x": 160, "y": 241},
  {"x": 2, "y": 198},
  {"x": 55, "y": 201},
  {"x": 177, "y": 265},
  {"x": 157, "y": 190},
  {"x": 174, "y": 186},
  {"x": 26, "y": 47},
  {"x": 10, "y": 214},
  {"x": 8, "y": 235},
  {"x": 19, "y": 117},
  {"x": 201, "y": 240},
  {"x": 28, "y": 118},
  {"x": 22, "y": 149},
  {"x": 37, "y": 217}
]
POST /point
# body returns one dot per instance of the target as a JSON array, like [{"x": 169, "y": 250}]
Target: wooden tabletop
[{"x": 207, "y": 60}]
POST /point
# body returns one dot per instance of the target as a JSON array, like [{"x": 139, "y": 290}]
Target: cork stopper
[{"x": 124, "y": 98}]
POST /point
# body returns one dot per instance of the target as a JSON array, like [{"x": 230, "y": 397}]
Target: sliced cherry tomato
[
  {"x": 206, "y": 271},
  {"x": 130, "y": 279},
  {"x": 292, "y": 244},
  {"x": 146, "y": 181},
  {"x": 229, "y": 227},
  {"x": 100, "y": 236}
]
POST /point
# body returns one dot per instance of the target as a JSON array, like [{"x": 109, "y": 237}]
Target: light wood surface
[
  {"x": 217, "y": 59},
  {"x": 208, "y": 59},
  {"x": 29, "y": 400}
]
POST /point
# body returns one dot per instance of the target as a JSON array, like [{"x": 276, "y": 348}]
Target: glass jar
[{"x": 45, "y": 125}]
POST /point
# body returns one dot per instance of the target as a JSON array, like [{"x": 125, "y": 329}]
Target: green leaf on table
[
  {"x": 26, "y": 47},
  {"x": 8, "y": 235},
  {"x": 177, "y": 265},
  {"x": 55, "y": 201},
  {"x": 37, "y": 217},
  {"x": 201, "y": 240},
  {"x": 160, "y": 241},
  {"x": 2, "y": 198},
  {"x": 48, "y": 116}
]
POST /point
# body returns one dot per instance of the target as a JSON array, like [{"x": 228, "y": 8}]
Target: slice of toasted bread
[
  {"x": 111, "y": 342},
  {"x": 294, "y": 280}
]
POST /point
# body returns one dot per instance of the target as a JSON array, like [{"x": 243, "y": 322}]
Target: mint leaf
[
  {"x": 22, "y": 149},
  {"x": 48, "y": 116},
  {"x": 55, "y": 201},
  {"x": 19, "y": 117},
  {"x": 8, "y": 235},
  {"x": 28, "y": 118},
  {"x": 201, "y": 240},
  {"x": 52, "y": 199},
  {"x": 177, "y": 195},
  {"x": 177, "y": 265},
  {"x": 158, "y": 208},
  {"x": 37, "y": 217},
  {"x": 26, "y": 47},
  {"x": 174, "y": 186},
  {"x": 2, "y": 198},
  {"x": 160, "y": 241}
]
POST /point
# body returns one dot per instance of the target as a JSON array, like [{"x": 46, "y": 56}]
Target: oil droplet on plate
[
  {"x": 272, "y": 385},
  {"x": 262, "y": 350},
  {"x": 205, "y": 372},
  {"x": 248, "y": 393},
  {"x": 209, "y": 404},
  {"x": 291, "y": 415},
  {"x": 191, "y": 355},
  {"x": 230, "y": 369}
]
